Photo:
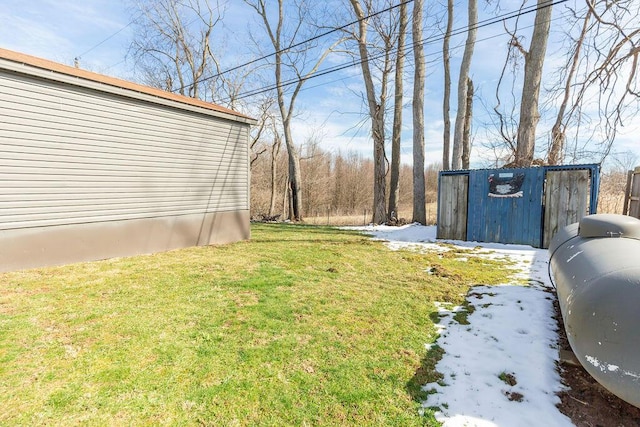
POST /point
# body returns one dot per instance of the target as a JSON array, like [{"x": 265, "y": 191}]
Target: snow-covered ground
[{"x": 500, "y": 369}]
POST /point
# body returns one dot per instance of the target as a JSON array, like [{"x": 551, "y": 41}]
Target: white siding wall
[{"x": 74, "y": 155}]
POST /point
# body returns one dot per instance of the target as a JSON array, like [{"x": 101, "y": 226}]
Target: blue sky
[
  {"x": 98, "y": 33},
  {"x": 61, "y": 30}
]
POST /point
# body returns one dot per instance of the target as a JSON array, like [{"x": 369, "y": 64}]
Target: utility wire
[
  {"x": 429, "y": 62},
  {"x": 316, "y": 37},
  {"x": 77, "y": 58},
  {"x": 482, "y": 24}
]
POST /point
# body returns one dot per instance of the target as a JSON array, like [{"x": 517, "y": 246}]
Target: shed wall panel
[
  {"x": 452, "y": 207},
  {"x": 36, "y": 247},
  {"x": 87, "y": 174},
  {"x": 634, "y": 197},
  {"x": 566, "y": 200},
  {"x": 509, "y": 219},
  {"x": 90, "y": 157}
]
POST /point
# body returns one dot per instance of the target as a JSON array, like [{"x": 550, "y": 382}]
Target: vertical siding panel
[
  {"x": 566, "y": 200},
  {"x": 634, "y": 196},
  {"x": 478, "y": 222},
  {"x": 452, "y": 207},
  {"x": 508, "y": 219}
]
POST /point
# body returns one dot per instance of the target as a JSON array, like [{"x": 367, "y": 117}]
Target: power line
[
  {"x": 432, "y": 61},
  {"x": 482, "y": 24},
  {"x": 491, "y": 21},
  {"x": 124, "y": 28},
  {"x": 316, "y": 37},
  {"x": 113, "y": 65},
  {"x": 105, "y": 40}
]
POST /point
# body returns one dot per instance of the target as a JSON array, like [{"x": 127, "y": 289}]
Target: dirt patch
[
  {"x": 508, "y": 379},
  {"x": 587, "y": 403},
  {"x": 514, "y": 396}
]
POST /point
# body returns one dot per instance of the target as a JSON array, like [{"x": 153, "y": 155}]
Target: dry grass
[
  {"x": 365, "y": 218},
  {"x": 611, "y": 202}
]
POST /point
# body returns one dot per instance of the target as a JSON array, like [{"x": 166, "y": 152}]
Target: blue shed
[{"x": 520, "y": 206}]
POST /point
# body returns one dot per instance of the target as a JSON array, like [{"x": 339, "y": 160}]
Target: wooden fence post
[
  {"x": 634, "y": 194},
  {"x": 627, "y": 194}
]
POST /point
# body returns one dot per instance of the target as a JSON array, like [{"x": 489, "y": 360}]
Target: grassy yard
[{"x": 302, "y": 325}]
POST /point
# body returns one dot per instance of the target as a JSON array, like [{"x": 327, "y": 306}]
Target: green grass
[
  {"x": 300, "y": 325},
  {"x": 462, "y": 315}
]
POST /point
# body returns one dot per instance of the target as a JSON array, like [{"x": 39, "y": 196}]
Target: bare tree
[
  {"x": 446, "y": 99},
  {"x": 275, "y": 151},
  {"x": 558, "y": 136},
  {"x": 376, "y": 104},
  {"x": 316, "y": 166},
  {"x": 265, "y": 120},
  {"x": 466, "y": 129},
  {"x": 297, "y": 61},
  {"x": 227, "y": 87},
  {"x": 339, "y": 184},
  {"x": 602, "y": 66},
  {"x": 534, "y": 61},
  {"x": 504, "y": 115},
  {"x": 505, "y": 121},
  {"x": 458, "y": 133},
  {"x": 394, "y": 185},
  {"x": 172, "y": 43},
  {"x": 419, "y": 204}
]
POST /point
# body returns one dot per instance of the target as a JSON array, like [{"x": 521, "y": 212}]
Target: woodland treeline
[
  {"x": 534, "y": 110},
  {"x": 336, "y": 184}
]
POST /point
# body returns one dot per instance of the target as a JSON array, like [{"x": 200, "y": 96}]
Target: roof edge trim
[{"x": 27, "y": 64}]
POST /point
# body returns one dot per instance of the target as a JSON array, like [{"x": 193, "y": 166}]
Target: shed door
[
  {"x": 452, "y": 207},
  {"x": 505, "y": 206},
  {"x": 566, "y": 200}
]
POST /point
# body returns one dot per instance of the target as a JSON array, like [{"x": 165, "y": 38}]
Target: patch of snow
[
  {"x": 632, "y": 374},
  {"x": 511, "y": 331},
  {"x": 602, "y": 365},
  {"x": 593, "y": 360}
]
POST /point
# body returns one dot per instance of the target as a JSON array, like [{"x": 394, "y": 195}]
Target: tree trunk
[
  {"x": 295, "y": 177},
  {"x": 446, "y": 134},
  {"x": 379, "y": 169},
  {"x": 534, "y": 61},
  {"x": 419, "y": 204},
  {"x": 376, "y": 111},
  {"x": 275, "y": 150},
  {"x": 286, "y": 110},
  {"x": 295, "y": 196},
  {"x": 466, "y": 134},
  {"x": 394, "y": 188},
  {"x": 458, "y": 134},
  {"x": 286, "y": 197}
]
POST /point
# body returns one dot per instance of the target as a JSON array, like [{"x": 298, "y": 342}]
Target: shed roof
[{"x": 65, "y": 70}]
